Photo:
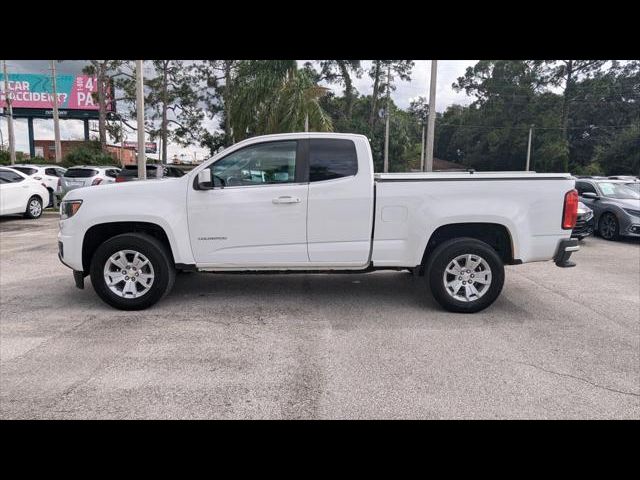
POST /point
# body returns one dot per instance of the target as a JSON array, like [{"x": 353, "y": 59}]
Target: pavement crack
[{"x": 561, "y": 374}]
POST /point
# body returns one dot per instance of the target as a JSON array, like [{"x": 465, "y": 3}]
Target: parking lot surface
[{"x": 558, "y": 343}]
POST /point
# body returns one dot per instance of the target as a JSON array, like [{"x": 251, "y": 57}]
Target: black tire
[
  {"x": 608, "y": 226},
  {"x": 34, "y": 208},
  {"x": 150, "y": 247},
  {"x": 50, "y": 204},
  {"x": 444, "y": 254}
]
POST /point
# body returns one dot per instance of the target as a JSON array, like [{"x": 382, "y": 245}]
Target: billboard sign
[
  {"x": 34, "y": 91},
  {"x": 149, "y": 147}
]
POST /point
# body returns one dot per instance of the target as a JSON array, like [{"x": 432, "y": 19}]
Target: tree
[
  {"x": 174, "y": 102},
  {"x": 378, "y": 73},
  {"x": 565, "y": 73},
  {"x": 217, "y": 80},
  {"x": 105, "y": 72},
  {"x": 419, "y": 109},
  {"x": 273, "y": 97},
  {"x": 340, "y": 71}
]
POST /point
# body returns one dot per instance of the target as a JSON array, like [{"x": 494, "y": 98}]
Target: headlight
[
  {"x": 631, "y": 211},
  {"x": 69, "y": 208}
]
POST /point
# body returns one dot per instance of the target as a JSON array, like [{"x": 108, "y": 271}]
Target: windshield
[
  {"x": 618, "y": 190},
  {"x": 80, "y": 173}
]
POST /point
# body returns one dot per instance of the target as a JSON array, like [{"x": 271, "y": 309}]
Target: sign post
[{"x": 9, "y": 104}]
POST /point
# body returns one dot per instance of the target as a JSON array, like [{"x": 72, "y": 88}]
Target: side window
[
  {"x": 51, "y": 171},
  {"x": 584, "y": 187},
  {"x": 262, "y": 164},
  {"x": 111, "y": 173},
  {"x": 331, "y": 158},
  {"x": 10, "y": 177}
]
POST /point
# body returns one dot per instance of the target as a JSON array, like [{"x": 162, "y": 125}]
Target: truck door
[
  {"x": 256, "y": 214},
  {"x": 340, "y": 211}
]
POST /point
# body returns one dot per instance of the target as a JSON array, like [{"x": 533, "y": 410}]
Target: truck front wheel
[
  {"x": 132, "y": 271},
  {"x": 465, "y": 275}
]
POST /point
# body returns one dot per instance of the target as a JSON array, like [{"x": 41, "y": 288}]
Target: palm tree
[{"x": 275, "y": 97}]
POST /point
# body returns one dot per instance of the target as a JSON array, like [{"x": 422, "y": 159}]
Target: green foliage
[
  {"x": 273, "y": 97},
  {"x": 621, "y": 155},
  {"x": 5, "y": 158},
  {"x": 89, "y": 153},
  {"x": 600, "y": 112}
]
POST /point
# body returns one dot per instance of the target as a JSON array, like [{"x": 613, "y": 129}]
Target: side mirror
[
  {"x": 204, "y": 180},
  {"x": 590, "y": 195}
]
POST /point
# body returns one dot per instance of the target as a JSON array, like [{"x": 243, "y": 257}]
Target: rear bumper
[{"x": 565, "y": 249}]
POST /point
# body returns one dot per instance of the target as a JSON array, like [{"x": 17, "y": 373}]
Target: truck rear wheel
[
  {"x": 132, "y": 271},
  {"x": 465, "y": 275}
]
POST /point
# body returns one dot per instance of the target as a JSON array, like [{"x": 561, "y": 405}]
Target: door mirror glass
[{"x": 204, "y": 180}]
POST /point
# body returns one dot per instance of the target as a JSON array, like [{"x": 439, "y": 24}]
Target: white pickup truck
[{"x": 311, "y": 202}]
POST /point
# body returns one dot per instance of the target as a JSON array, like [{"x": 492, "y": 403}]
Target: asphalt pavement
[{"x": 558, "y": 343}]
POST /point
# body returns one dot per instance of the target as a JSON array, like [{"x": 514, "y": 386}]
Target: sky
[{"x": 448, "y": 72}]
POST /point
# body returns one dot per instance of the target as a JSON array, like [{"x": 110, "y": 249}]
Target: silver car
[
  {"x": 615, "y": 205},
  {"x": 87, "y": 176}
]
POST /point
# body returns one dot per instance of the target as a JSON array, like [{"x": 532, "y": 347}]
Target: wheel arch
[
  {"x": 99, "y": 233},
  {"x": 496, "y": 235}
]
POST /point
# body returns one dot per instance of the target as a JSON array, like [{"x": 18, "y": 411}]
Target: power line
[{"x": 588, "y": 127}]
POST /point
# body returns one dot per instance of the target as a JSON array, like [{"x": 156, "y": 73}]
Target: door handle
[{"x": 286, "y": 199}]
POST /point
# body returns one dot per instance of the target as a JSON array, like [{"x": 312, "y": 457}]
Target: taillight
[
  {"x": 97, "y": 181},
  {"x": 570, "y": 210},
  {"x": 119, "y": 179},
  {"x": 59, "y": 182}
]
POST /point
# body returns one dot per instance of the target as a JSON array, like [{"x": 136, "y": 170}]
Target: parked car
[
  {"x": 630, "y": 178},
  {"x": 634, "y": 185},
  {"x": 20, "y": 193},
  {"x": 584, "y": 223},
  {"x": 49, "y": 175},
  {"x": 130, "y": 172},
  {"x": 316, "y": 206},
  {"x": 87, "y": 176},
  {"x": 615, "y": 205}
]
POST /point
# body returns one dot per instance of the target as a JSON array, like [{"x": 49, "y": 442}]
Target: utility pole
[
  {"x": 306, "y": 122},
  {"x": 422, "y": 148},
  {"x": 9, "y": 100},
  {"x": 386, "y": 127},
  {"x": 56, "y": 118},
  {"x": 529, "y": 148},
  {"x": 121, "y": 141},
  {"x": 432, "y": 116},
  {"x": 142, "y": 168}
]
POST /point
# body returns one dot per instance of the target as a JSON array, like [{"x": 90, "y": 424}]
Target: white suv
[
  {"x": 48, "y": 174},
  {"x": 20, "y": 193},
  {"x": 87, "y": 176}
]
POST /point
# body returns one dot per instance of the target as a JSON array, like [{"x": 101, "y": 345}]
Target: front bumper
[
  {"x": 583, "y": 228},
  {"x": 565, "y": 249}
]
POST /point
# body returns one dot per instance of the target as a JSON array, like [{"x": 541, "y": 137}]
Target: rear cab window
[{"x": 331, "y": 158}]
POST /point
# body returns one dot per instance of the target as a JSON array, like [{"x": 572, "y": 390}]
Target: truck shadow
[{"x": 383, "y": 288}]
